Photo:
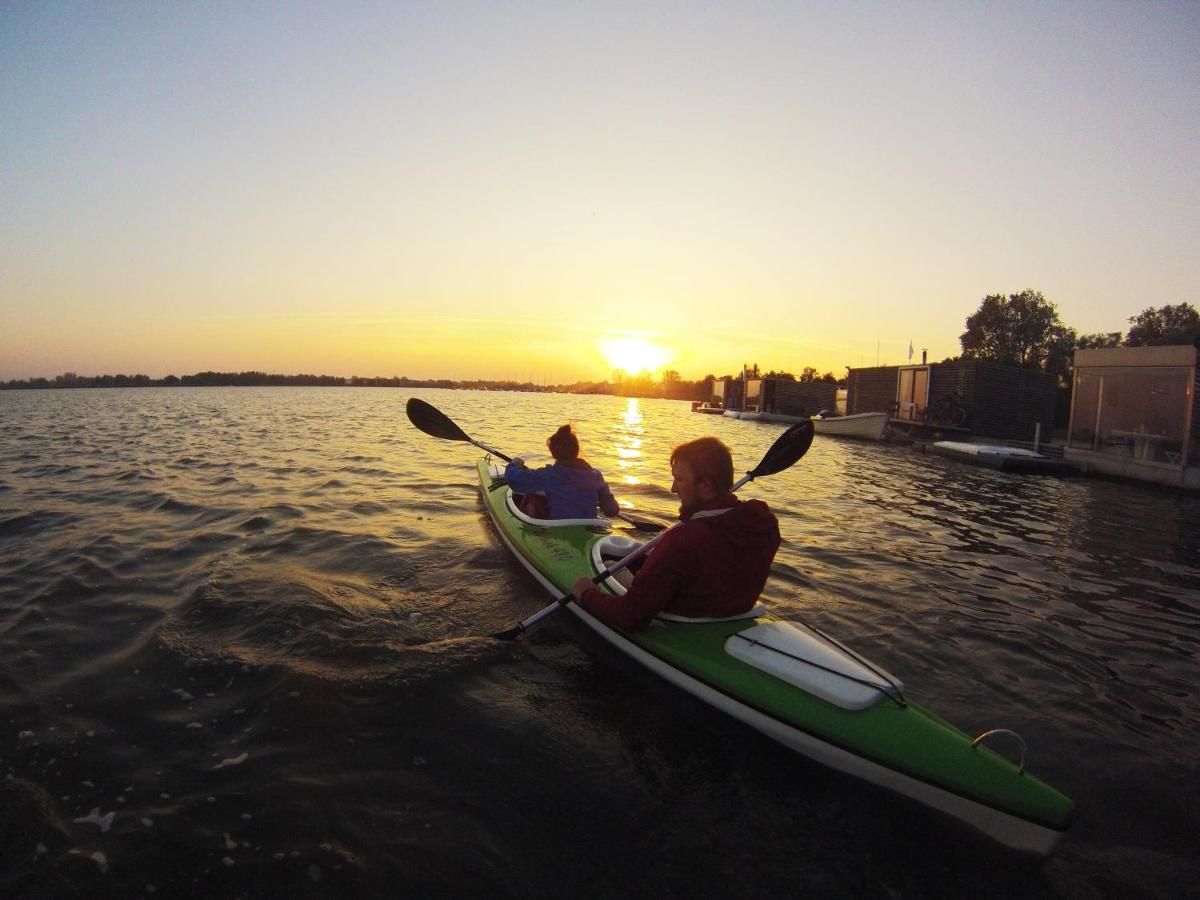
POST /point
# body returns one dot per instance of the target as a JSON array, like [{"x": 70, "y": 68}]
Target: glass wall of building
[{"x": 1133, "y": 412}]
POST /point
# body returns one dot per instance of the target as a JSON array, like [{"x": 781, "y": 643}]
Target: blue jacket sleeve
[
  {"x": 524, "y": 480},
  {"x": 608, "y": 503}
]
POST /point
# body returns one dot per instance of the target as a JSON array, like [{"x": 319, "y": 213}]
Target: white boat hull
[{"x": 865, "y": 426}]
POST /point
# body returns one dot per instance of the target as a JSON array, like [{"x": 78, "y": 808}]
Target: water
[{"x": 244, "y": 653}]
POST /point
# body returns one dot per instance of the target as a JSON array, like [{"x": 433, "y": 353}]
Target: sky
[{"x": 547, "y": 191}]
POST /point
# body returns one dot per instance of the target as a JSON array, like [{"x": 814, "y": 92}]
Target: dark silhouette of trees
[
  {"x": 1101, "y": 339},
  {"x": 1164, "y": 326},
  {"x": 1022, "y": 329}
]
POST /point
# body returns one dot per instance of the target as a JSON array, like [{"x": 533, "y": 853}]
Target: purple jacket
[{"x": 572, "y": 491}]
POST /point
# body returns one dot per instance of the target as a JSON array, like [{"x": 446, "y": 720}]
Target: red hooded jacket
[{"x": 713, "y": 565}]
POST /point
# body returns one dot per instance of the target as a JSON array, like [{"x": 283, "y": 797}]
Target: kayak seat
[
  {"x": 752, "y": 613},
  {"x": 515, "y": 503},
  {"x": 533, "y": 505}
]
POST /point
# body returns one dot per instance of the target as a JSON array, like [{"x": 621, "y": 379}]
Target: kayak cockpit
[{"x": 512, "y": 502}]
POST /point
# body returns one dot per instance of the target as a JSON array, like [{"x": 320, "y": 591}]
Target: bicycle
[{"x": 946, "y": 411}]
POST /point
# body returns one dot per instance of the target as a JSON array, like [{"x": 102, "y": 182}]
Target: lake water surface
[{"x": 244, "y": 653}]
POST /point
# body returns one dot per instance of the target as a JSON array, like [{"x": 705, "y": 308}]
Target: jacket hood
[{"x": 751, "y": 517}]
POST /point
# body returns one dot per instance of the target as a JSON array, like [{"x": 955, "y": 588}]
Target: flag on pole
[{"x": 910, "y": 349}]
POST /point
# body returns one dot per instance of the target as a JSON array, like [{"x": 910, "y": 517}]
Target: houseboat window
[{"x": 1138, "y": 413}]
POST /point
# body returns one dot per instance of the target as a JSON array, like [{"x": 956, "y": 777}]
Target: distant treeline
[{"x": 676, "y": 389}]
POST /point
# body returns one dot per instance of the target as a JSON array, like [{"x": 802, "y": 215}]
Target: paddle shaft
[{"x": 491, "y": 450}]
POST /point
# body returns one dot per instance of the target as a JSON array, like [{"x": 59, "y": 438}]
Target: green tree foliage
[
  {"x": 1023, "y": 329},
  {"x": 1164, "y": 326}
]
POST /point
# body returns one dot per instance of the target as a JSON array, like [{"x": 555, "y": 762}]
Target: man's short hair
[{"x": 708, "y": 458}]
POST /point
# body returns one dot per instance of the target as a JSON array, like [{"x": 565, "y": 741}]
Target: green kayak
[{"x": 799, "y": 686}]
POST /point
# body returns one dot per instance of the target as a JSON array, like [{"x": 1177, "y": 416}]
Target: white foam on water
[
  {"x": 232, "y": 761},
  {"x": 95, "y": 818}
]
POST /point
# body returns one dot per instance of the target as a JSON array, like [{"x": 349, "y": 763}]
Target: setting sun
[{"x": 634, "y": 354}]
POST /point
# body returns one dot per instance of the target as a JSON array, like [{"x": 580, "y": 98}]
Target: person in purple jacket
[{"x": 571, "y": 488}]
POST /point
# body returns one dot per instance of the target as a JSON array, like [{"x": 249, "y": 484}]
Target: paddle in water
[
  {"x": 431, "y": 420},
  {"x": 787, "y": 449}
]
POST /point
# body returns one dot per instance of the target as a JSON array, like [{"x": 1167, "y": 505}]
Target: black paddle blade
[
  {"x": 788, "y": 447},
  {"x": 643, "y": 524},
  {"x": 433, "y": 421},
  {"x": 509, "y": 634}
]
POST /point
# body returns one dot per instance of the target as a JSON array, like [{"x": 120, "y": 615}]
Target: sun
[{"x": 634, "y": 354}]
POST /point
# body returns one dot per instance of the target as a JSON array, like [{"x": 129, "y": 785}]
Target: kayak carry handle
[{"x": 1020, "y": 740}]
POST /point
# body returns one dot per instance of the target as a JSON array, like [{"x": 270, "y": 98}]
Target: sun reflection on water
[{"x": 628, "y": 446}]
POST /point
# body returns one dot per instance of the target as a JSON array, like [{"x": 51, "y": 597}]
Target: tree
[
  {"x": 808, "y": 375},
  {"x": 1023, "y": 329},
  {"x": 1101, "y": 339},
  {"x": 1164, "y": 326}
]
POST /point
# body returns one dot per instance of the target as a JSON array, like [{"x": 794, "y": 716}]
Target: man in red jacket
[{"x": 714, "y": 565}]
